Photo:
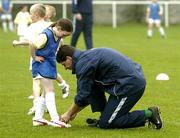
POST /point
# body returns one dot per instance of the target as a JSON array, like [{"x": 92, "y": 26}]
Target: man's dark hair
[{"x": 63, "y": 52}]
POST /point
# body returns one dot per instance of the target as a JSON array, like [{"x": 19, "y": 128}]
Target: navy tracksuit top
[{"x": 107, "y": 69}]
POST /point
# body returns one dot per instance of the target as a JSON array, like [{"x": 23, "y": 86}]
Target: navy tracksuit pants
[
  {"x": 85, "y": 26},
  {"x": 116, "y": 112}
]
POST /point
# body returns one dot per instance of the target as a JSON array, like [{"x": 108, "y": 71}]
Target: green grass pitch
[{"x": 156, "y": 55}]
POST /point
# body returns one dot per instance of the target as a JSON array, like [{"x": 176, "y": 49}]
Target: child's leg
[
  {"x": 39, "y": 108},
  {"x": 11, "y": 26},
  {"x": 51, "y": 104},
  {"x": 63, "y": 85},
  {"x": 150, "y": 27},
  {"x": 30, "y": 68},
  {"x": 150, "y": 32},
  {"x": 36, "y": 95},
  {"x": 36, "y": 88},
  {"x": 161, "y": 30},
  {"x": 38, "y": 119},
  {"x": 38, "y": 102},
  {"x": 50, "y": 98},
  {"x": 4, "y": 23}
]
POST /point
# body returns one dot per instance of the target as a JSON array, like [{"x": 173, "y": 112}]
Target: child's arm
[
  {"x": 20, "y": 43},
  {"x": 33, "y": 55},
  {"x": 161, "y": 11},
  {"x": 38, "y": 44}
]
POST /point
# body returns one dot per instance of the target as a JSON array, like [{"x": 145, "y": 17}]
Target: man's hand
[
  {"x": 73, "y": 117},
  {"x": 39, "y": 59},
  {"x": 65, "y": 117},
  {"x": 71, "y": 113},
  {"x": 78, "y": 16}
]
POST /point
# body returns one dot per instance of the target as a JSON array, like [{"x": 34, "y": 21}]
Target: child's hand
[
  {"x": 15, "y": 43},
  {"x": 39, "y": 59},
  {"x": 160, "y": 13}
]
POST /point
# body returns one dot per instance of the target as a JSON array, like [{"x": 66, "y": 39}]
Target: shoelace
[{"x": 151, "y": 125}]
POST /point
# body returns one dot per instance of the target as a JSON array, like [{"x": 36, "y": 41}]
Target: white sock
[
  {"x": 62, "y": 85},
  {"x": 35, "y": 101},
  {"x": 44, "y": 104},
  {"x": 4, "y": 25},
  {"x": 39, "y": 108},
  {"x": 51, "y": 106},
  {"x": 161, "y": 30},
  {"x": 149, "y": 32}
]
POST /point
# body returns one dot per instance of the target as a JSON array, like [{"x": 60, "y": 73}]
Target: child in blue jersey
[
  {"x": 153, "y": 16},
  {"x": 38, "y": 13},
  {"x": 43, "y": 51}
]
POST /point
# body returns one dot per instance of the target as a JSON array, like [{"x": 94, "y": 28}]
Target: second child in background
[
  {"x": 50, "y": 14},
  {"x": 21, "y": 21}
]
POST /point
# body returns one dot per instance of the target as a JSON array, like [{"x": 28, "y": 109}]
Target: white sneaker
[
  {"x": 31, "y": 111},
  {"x": 40, "y": 122},
  {"x": 59, "y": 124},
  {"x": 65, "y": 91},
  {"x": 31, "y": 97}
]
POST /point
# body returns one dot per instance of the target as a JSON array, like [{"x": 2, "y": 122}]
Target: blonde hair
[
  {"x": 39, "y": 9},
  {"x": 50, "y": 11}
]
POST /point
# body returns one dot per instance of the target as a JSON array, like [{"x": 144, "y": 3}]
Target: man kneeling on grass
[{"x": 103, "y": 70}]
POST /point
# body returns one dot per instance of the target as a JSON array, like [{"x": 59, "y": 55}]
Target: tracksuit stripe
[{"x": 117, "y": 109}]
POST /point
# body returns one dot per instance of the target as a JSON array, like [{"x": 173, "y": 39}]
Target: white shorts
[
  {"x": 38, "y": 77},
  {"x": 22, "y": 29},
  {"x": 154, "y": 21},
  {"x": 6, "y": 16}
]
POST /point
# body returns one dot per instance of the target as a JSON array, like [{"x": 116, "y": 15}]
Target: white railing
[{"x": 113, "y": 3}]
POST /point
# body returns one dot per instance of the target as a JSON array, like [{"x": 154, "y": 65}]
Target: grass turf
[{"x": 156, "y": 55}]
